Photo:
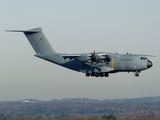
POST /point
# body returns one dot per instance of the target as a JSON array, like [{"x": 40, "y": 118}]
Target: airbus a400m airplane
[{"x": 98, "y": 64}]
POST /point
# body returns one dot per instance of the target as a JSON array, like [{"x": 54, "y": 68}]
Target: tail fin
[{"x": 37, "y": 39}]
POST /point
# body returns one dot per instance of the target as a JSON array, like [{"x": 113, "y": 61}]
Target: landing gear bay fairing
[{"x": 94, "y": 64}]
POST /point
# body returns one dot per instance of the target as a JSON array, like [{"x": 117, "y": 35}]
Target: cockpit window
[{"x": 143, "y": 58}]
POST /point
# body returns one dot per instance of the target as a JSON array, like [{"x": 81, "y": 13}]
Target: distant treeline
[{"x": 82, "y": 106}]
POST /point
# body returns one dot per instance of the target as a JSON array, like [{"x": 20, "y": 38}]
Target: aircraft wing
[
  {"x": 79, "y": 57},
  {"x": 93, "y": 57},
  {"x": 144, "y": 55}
]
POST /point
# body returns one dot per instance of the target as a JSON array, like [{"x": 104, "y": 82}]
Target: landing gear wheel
[
  {"x": 136, "y": 74},
  {"x": 101, "y": 74},
  {"x": 106, "y": 74},
  {"x": 92, "y": 74},
  {"x": 96, "y": 74},
  {"x": 87, "y": 74}
]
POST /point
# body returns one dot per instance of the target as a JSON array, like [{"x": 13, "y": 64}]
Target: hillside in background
[{"x": 149, "y": 106}]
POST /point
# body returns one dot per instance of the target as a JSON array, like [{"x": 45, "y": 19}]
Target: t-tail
[{"x": 37, "y": 39}]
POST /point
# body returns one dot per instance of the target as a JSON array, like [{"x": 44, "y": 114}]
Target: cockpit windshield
[{"x": 144, "y": 58}]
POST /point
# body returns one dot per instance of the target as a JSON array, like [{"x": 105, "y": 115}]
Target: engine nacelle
[
  {"x": 83, "y": 58},
  {"x": 100, "y": 57}
]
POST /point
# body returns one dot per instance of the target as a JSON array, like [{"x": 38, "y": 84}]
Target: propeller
[
  {"x": 94, "y": 57},
  {"x": 97, "y": 58}
]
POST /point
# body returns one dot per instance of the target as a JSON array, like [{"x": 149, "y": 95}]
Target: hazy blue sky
[{"x": 77, "y": 26}]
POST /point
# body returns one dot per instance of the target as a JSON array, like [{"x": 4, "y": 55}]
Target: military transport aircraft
[{"x": 98, "y": 64}]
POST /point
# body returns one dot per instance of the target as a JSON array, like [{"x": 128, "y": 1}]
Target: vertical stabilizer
[{"x": 37, "y": 39}]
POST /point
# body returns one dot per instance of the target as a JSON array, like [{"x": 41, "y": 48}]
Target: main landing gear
[{"x": 97, "y": 74}]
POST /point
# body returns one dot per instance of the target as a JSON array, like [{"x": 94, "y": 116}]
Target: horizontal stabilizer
[{"x": 26, "y": 31}]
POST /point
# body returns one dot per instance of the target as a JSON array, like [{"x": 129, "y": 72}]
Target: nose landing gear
[{"x": 137, "y": 73}]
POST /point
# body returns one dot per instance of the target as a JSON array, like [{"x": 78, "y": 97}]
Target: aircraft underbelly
[{"x": 95, "y": 69}]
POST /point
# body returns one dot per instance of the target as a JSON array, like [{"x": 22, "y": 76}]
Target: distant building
[{"x": 27, "y": 101}]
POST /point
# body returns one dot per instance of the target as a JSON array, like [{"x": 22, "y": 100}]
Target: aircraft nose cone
[{"x": 149, "y": 64}]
